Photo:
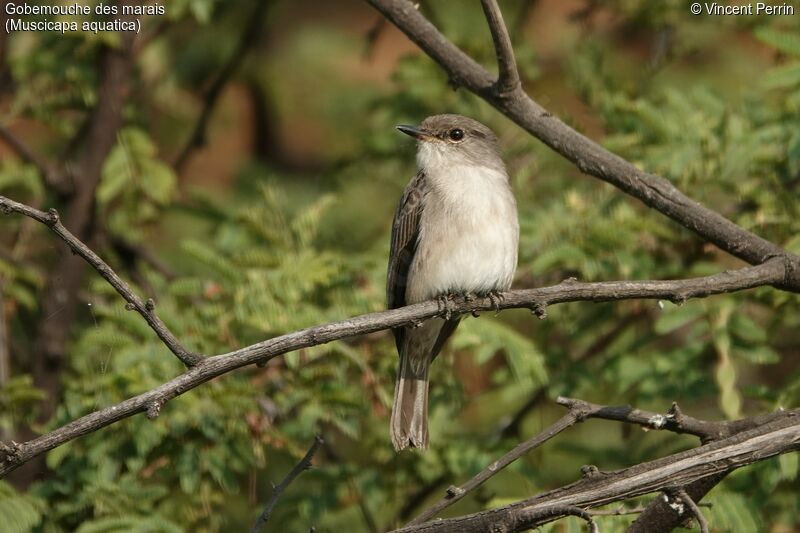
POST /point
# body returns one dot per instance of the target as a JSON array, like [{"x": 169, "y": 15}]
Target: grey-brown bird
[{"x": 455, "y": 231}]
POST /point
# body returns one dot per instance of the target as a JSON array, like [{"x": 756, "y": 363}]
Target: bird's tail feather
[{"x": 410, "y": 408}]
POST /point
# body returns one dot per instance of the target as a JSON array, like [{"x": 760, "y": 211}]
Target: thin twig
[
  {"x": 619, "y": 511},
  {"x": 537, "y": 517},
  {"x": 137, "y": 251},
  {"x": 601, "y": 488},
  {"x": 454, "y": 494},
  {"x": 508, "y": 75},
  {"x": 299, "y": 468},
  {"x": 580, "y": 410},
  {"x": 673, "y": 420},
  {"x": 24, "y": 151},
  {"x": 197, "y": 138},
  {"x": 146, "y": 309},
  {"x": 695, "y": 510},
  {"x": 372, "y": 36}
]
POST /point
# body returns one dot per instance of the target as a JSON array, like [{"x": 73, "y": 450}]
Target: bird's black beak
[{"x": 415, "y": 132}]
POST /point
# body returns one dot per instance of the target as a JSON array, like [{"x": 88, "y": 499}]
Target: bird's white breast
[{"x": 468, "y": 236}]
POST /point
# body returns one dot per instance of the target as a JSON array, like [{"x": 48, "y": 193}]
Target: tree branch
[
  {"x": 454, "y": 494},
  {"x": 299, "y": 468},
  {"x": 146, "y": 309},
  {"x": 769, "y": 273},
  {"x": 694, "y": 509},
  {"x": 660, "y": 517},
  {"x": 580, "y": 410},
  {"x": 588, "y": 156},
  {"x": 197, "y": 139},
  {"x": 508, "y": 76},
  {"x": 781, "y": 435}
]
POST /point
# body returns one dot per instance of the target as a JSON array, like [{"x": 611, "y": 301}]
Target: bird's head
[{"x": 454, "y": 140}]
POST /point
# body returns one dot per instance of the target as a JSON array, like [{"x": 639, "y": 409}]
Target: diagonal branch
[
  {"x": 508, "y": 75},
  {"x": 146, "y": 309},
  {"x": 454, "y": 494},
  {"x": 660, "y": 516},
  {"x": 580, "y": 410},
  {"x": 694, "y": 509},
  {"x": 771, "y": 272},
  {"x": 197, "y": 139},
  {"x": 778, "y": 436},
  {"x": 299, "y": 468},
  {"x": 587, "y": 155}
]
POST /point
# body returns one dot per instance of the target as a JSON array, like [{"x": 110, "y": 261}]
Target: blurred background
[{"x": 237, "y": 162}]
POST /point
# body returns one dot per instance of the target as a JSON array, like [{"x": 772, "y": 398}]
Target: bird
[{"x": 455, "y": 232}]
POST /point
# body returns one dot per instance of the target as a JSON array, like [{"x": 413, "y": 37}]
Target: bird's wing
[{"x": 405, "y": 230}]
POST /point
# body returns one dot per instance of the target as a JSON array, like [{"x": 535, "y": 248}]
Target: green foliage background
[{"x": 294, "y": 240}]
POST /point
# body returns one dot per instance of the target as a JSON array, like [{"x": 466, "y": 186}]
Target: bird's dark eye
[{"x": 456, "y": 134}]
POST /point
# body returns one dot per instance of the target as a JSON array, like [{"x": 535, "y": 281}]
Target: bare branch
[
  {"x": 299, "y": 468},
  {"x": 536, "y": 517},
  {"x": 580, "y": 410},
  {"x": 695, "y": 510},
  {"x": 508, "y": 76},
  {"x": 204, "y": 369},
  {"x": 146, "y": 309},
  {"x": 781, "y": 435},
  {"x": 24, "y": 152},
  {"x": 454, "y": 494},
  {"x": 674, "y": 420},
  {"x": 588, "y": 156}
]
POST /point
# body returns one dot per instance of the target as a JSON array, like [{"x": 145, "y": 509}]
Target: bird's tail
[{"x": 410, "y": 408}]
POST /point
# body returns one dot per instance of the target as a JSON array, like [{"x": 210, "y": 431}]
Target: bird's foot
[
  {"x": 445, "y": 303},
  {"x": 496, "y": 297}
]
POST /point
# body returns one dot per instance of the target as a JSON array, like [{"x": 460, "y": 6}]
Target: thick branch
[
  {"x": 146, "y": 309},
  {"x": 537, "y": 300},
  {"x": 674, "y": 420},
  {"x": 600, "y": 488},
  {"x": 588, "y": 156}
]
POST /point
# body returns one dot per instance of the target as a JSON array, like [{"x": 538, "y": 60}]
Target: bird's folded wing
[{"x": 405, "y": 230}]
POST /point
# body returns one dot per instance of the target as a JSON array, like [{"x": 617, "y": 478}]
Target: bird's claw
[
  {"x": 496, "y": 297},
  {"x": 445, "y": 303}
]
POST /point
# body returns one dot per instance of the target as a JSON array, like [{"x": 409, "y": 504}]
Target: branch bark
[
  {"x": 537, "y": 300},
  {"x": 65, "y": 278},
  {"x": 508, "y": 75},
  {"x": 591, "y": 158},
  {"x": 579, "y": 410},
  {"x": 144, "y": 308},
  {"x": 781, "y": 435}
]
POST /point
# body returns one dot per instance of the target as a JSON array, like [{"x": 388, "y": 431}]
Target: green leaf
[{"x": 785, "y": 42}]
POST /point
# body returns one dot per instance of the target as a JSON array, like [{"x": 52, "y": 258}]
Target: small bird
[{"x": 455, "y": 232}]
